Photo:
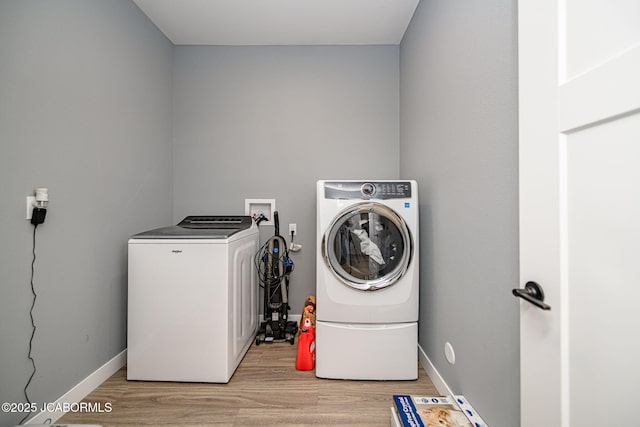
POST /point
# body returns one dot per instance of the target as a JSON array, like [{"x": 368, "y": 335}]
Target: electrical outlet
[
  {"x": 31, "y": 202},
  {"x": 292, "y": 229}
]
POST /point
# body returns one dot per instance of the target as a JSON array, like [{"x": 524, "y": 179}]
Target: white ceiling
[{"x": 280, "y": 22}]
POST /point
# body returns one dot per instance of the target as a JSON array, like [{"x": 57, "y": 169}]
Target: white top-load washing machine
[
  {"x": 193, "y": 299},
  {"x": 367, "y": 280}
]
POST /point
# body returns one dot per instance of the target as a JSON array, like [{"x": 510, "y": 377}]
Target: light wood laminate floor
[{"x": 266, "y": 390}]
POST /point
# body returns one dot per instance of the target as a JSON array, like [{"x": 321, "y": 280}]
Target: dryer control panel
[{"x": 366, "y": 190}]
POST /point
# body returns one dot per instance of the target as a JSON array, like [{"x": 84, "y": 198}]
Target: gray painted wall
[
  {"x": 268, "y": 122},
  {"x": 85, "y": 110},
  {"x": 92, "y": 95},
  {"x": 459, "y": 140}
]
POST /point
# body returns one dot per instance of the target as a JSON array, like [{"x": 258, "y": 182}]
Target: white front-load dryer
[{"x": 367, "y": 280}]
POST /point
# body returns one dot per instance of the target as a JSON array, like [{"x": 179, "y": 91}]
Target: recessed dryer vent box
[{"x": 255, "y": 207}]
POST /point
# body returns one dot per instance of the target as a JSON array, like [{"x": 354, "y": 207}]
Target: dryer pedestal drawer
[{"x": 367, "y": 351}]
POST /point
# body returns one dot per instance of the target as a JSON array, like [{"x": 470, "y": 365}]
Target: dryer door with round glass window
[{"x": 368, "y": 246}]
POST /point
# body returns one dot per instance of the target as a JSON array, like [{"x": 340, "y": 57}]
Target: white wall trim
[
  {"x": 83, "y": 388},
  {"x": 437, "y": 380}
]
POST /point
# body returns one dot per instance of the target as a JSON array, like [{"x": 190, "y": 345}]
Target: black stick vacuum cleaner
[{"x": 274, "y": 267}]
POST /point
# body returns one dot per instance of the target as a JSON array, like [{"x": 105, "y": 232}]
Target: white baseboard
[
  {"x": 433, "y": 374},
  {"x": 82, "y": 389}
]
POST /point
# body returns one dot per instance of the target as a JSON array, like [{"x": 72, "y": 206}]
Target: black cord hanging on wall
[
  {"x": 37, "y": 217},
  {"x": 33, "y": 328}
]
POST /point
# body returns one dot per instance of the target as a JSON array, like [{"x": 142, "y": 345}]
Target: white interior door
[{"x": 579, "y": 71}]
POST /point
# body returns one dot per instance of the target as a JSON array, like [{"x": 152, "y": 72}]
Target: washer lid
[
  {"x": 200, "y": 227},
  {"x": 368, "y": 246},
  {"x": 216, "y": 222}
]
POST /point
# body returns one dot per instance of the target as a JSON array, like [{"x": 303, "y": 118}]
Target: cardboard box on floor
[{"x": 428, "y": 411}]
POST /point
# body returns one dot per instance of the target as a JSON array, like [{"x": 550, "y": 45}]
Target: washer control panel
[{"x": 366, "y": 190}]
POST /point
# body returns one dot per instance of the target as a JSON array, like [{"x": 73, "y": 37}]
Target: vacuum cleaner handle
[{"x": 276, "y": 222}]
